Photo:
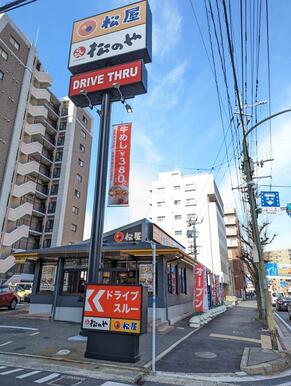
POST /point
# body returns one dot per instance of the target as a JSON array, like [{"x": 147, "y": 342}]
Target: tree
[{"x": 246, "y": 256}]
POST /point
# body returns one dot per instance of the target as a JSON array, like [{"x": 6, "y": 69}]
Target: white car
[{"x": 274, "y": 297}]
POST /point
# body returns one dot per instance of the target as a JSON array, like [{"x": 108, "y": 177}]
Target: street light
[
  {"x": 128, "y": 108},
  {"x": 90, "y": 105}
]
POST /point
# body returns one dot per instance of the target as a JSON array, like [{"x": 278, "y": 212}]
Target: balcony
[
  {"x": 6, "y": 264},
  {"x": 31, "y": 148},
  {"x": 38, "y": 133},
  {"x": 41, "y": 191},
  {"x": 15, "y": 214},
  {"x": 43, "y": 78},
  {"x": 22, "y": 190},
  {"x": 40, "y": 94},
  {"x": 39, "y": 210},
  {"x": 37, "y": 111},
  {"x": 17, "y": 234},
  {"x": 33, "y": 168}
]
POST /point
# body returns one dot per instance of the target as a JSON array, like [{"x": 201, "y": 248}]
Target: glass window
[
  {"x": 182, "y": 280},
  {"x": 85, "y": 120},
  {"x": 57, "y": 172},
  {"x": 178, "y": 233},
  {"x": 82, "y": 148},
  {"x": 160, "y": 218},
  {"x": 55, "y": 188},
  {"x": 47, "y": 277},
  {"x": 52, "y": 207},
  {"x": 49, "y": 225},
  {"x": 190, "y": 201},
  {"x": 63, "y": 124},
  {"x": 178, "y": 217},
  {"x": 177, "y": 187},
  {"x": 61, "y": 140},
  {"x": 59, "y": 155},
  {"x": 161, "y": 188},
  {"x": 77, "y": 193},
  {"x": 172, "y": 278},
  {"x": 190, "y": 187},
  {"x": 74, "y": 281},
  {"x": 160, "y": 204},
  {"x": 81, "y": 162},
  {"x": 79, "y": 177},
  {"x": 1, "y": 75},
  {"x": 177, "y": 202},
  {"x": 14, "y": 43},
  {"x": 75, "y": 210},
  {"x": 191, "y": 217},
  {"x": 73, "y": 227},
  {"x": 3, "y": 54},
  {"x": 46, "y": 243},
  {"x": 83, "y": 133}
]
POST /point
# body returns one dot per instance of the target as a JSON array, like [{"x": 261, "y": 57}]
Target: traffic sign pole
[{"x": 95, "y": 255}]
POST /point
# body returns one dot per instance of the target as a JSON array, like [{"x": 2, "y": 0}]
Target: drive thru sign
[{"x": 113, "y": 308}]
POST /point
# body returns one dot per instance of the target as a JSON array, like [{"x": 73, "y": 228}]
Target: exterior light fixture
[
  {"x": 90, "y": 105},
  {"x": 128, "y": 108}
]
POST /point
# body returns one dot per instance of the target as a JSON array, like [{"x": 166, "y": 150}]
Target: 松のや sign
[{"x": 113, "y": 37}]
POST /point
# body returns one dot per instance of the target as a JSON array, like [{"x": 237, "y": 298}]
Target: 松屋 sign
[
  {"x": 131, "y": 77},
  {"x": 120, "y": 163},
  {"x": 113, "y": 37},
  {"x": 113, "y": 308}
]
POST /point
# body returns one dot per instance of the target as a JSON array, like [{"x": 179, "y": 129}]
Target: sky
[{"x": 177, "y": 124}]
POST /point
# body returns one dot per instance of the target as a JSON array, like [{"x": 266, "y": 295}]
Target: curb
[{"x": 266, "y": 368}]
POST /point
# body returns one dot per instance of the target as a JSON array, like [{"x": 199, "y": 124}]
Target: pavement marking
[
  {"x": 20, "y": 328},
  {"x": 48, "y": 378},
  {"x": 26, "y": 375},
  {"x": 283, "y": 321},
  {"x": 232, "y": 337},
  {"x": 11, "y": 371},
  {"x": 2, "y": 367},
  {"x": 6, "y": 343},
  {"x": 34, "y": 333}
]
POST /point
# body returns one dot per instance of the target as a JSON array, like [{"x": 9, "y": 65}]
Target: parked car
[
  {"x": 282, "y": 303},
  {"x": 8, "y": 297},
  {"x": 23, "y": 291},
  {"x": 274, "y": 297}
]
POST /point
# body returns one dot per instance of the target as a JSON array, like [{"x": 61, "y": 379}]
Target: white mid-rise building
[{"x": 176, "y": 199}]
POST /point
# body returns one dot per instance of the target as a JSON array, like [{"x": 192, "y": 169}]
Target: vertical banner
[
  {"x": 120, "y": 163},
  {"x": 199, "y": 287}
]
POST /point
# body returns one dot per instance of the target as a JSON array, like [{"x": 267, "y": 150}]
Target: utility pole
[{"x": 192, "y": 233}]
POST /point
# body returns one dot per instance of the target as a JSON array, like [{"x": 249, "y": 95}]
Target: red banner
[
  {"x": 199, "y": 287},
  {"x": 120, "y": 163},
  {"x": 103, "y": 79}
]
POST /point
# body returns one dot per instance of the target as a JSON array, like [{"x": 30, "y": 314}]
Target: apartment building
[
  {"x": 280, "y": 256},
  {"x": 177, "y": 199},
  {"x": 234, "y": 249},
  {"x": 45, "y": 147}
]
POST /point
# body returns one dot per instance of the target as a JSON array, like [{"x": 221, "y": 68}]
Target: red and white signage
[
  {"x": 113, "y": 308},
  {"x": 199, "y": 287},
  {"x": 94, "y": 81},
  {"x": 120, "y": 163}
]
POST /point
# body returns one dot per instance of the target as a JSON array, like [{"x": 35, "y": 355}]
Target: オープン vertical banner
[
  {"x": 199, "y": 287},
  {"x": 120, "y": 164}
]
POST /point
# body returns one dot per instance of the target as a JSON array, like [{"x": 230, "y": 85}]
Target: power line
[{"x": 15, "y": 4}]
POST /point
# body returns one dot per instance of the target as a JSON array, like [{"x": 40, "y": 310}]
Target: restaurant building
[{"x": 61, "y": 272}]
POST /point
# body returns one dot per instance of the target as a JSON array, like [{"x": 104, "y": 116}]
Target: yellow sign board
[
  {"x": 108, "y": 22},
  {"x": 125, "y": 325}
]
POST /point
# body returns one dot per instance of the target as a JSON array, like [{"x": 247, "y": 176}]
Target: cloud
[{"x": 167, "y": 23}]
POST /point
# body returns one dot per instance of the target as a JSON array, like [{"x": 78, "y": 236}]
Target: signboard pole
[
  {"x": 154, "y": 309},
  {"x": 95, "y": 254}
]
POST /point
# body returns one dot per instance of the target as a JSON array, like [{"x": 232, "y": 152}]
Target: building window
[
  {"x": 85, "y": 120},
  {"x": 55, "y": 188},
  {"x": 49, "y": 225},
  {"x": 75, "y": 276},
  {"x": 82, "y": 148},
  {"x": 57, "y": 172},
  {"x": 79, "y": 178},
  {"x": 161, "y": 188},
  {"x": 160, "y": 218},
  {"x": 46, "y": 243},
  {"x": 172, "y": 278},
  {"x": 177, "y": 187},
  {"x": 52, "y": 207},
  {"x": 191, "y": 217},
  {"x": 3, "y": 54},
  {"x": 59, "y": 155},
  {"x": 1, "y": 75},
  {"x": 178, "y": 233},
  {"x": 63, "y": 124},
  {"x": 81, "y": 162},
  {"x": 178, "y": 217},
  {"x": 73, "y": 227},
  {"x": 190, "y": 201},
  {"x": 14, "y": 43},
  {"x": 177, "y": 202},
  {"x": 190, "y": 187},
  {"x": 75, "y": 210},
  {"x": 83, "y": 133},
  {"x": 61, "y": 140},
  {"x": 47, "y": 277},
  {"x": 182, "y": 280},
  {"x": 77, "y": 193},
  {"x": 161, "y": 204}
]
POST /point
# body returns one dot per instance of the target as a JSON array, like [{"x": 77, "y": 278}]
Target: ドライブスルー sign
[
  {"x": 131, "y": 77},
  {"x": 120, "y": 162},
  {"x": 113, "y": 308},
  {"x": 113, "y": 37}
]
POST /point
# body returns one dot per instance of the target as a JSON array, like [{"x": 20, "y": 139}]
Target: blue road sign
[
  {"x": 270, "y": 200},
  {"x": 271, "y": 269}
]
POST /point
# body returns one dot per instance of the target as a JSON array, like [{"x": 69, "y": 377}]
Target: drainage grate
[{"x": 67, "y": 380}]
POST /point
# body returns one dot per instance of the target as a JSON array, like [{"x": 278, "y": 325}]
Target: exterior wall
[
  {"x": 199, "y": 198},
  {"x": 280, "y": 256}
]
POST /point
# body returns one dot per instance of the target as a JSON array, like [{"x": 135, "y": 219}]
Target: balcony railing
[{"x": 42, "y": 189}]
